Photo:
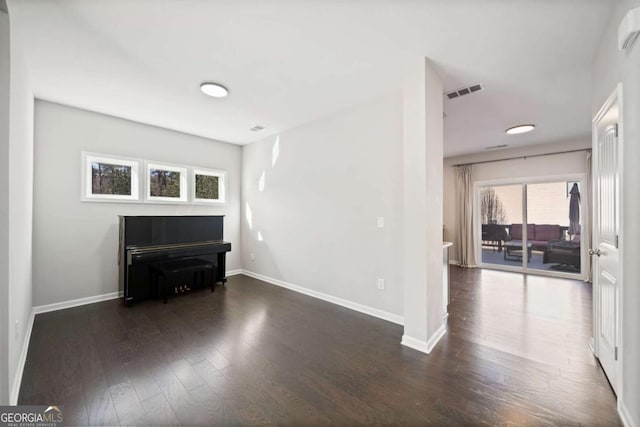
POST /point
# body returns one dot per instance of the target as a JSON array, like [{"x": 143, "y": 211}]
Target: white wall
[
  {"x": 609, "y": 68},
  {"x": 317, "y": 213},
  {"x": 422, "y": 210},
  {"x": 433, "y": 222},
  {"x": 76, "y": 243},
  {"x": 4, "y": 205},
  {"x": 20, "y": 207},
  {"x": 561, "y": 164}
]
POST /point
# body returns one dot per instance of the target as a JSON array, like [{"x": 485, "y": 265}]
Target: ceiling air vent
[
  {"x": 256, "y": 128},
  {"x": 465, "y": 91},
  {"x": 495, "y": 147}
]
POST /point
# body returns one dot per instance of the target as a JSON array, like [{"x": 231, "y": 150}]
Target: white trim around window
[{"x": 89, "y": 194}]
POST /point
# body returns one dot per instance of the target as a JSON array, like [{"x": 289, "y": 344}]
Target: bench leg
[
  {"x": 153, "y": 284},
  {"x": 164, "y": 289}
]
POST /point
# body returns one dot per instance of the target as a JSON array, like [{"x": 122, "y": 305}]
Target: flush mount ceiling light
[
  {"x": 214, "y": 89},
  {"x": 520, "y": 129}
]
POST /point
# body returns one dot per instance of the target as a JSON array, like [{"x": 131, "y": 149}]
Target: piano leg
[{"x": 221, "y": 272}]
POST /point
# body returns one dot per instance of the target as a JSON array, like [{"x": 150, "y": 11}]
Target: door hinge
[
  {"x": 616, "y": 129},
  {"x": 616, "y": 353},
  {"x": 617, "y": 241}
]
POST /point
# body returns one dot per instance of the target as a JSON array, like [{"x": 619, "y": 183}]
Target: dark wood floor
[{"x": 251, "y": 353}]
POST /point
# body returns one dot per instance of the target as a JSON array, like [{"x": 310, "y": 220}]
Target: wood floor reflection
[{"x": 516, "y": 352}]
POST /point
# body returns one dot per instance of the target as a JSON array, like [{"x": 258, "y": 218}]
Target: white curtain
[
  {"x": 587, "y": 227},
  {"x": 466, "y": 235}
]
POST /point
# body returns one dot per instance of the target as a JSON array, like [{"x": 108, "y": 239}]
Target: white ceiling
[{"x": 289, "y": 62}]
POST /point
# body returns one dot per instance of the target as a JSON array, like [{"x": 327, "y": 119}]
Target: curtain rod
[{"x": 524, "y": 157}]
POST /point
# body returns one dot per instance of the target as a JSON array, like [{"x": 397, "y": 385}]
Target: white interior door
[{"x": 605, "y": 252}]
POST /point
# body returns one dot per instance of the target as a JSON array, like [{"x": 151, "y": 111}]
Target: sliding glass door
[
  {"x": 501, "y": 210},
  {"x": 555, "y": 239},
  {"x": 550, "y": 243}
]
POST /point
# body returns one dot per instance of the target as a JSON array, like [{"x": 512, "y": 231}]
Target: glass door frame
[{"x": 585, "y": 223}]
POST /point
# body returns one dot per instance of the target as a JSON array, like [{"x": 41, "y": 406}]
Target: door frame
[
  {"x": 615, "y": 97},
  {"x": 477, "y": 222}
]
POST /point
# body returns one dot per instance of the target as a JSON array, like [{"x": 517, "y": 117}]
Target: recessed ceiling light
[
  {"x": 520, "y": 129},
  {"x": 214, "y": 89}
]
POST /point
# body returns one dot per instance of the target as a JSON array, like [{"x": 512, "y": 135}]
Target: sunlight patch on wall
[
  {"x": 249, "y": 216},
  {"x": 275, "y": 151},
  {"x": 261, "y": 182},
  {"x": 260, "y": 239}
]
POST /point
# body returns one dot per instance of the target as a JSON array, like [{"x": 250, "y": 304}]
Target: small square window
[
  {"x": 166, "y": 183},
  {"x": 109, "y": 179},
  {"x": 208, "y": 186}
]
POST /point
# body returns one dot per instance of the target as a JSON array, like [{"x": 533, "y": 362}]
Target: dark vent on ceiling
[
  {"x": 256, "y": 128},
  {"x": 495, "y": 147},
  {"x": 465, "y": 91}
]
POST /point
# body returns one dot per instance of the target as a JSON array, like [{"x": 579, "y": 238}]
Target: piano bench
[{"x": 170, "y": 270}]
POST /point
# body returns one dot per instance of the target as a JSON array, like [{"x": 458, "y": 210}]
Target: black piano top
[{"x": 171, "y": 230}]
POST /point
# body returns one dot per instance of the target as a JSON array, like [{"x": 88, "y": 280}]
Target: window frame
[
  {"x": 222, "y": 186},
  {"x": 184, "y": 193},
  {"x": 86, "y": 191}
]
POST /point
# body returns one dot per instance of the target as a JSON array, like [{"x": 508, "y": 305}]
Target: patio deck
[{"x": 491, "y": 255}]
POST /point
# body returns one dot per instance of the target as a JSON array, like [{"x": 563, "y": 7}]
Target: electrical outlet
[
  {"x": 381, "y": 284},
  {"x": 380, "y": 222},
  {"x": 253, "y": 256}
]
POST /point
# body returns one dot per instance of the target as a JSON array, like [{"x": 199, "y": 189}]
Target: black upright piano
[{"x": 150, "y": 239}]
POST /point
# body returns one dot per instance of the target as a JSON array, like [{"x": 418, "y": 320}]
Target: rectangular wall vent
[{"x": 465, "y": 91}]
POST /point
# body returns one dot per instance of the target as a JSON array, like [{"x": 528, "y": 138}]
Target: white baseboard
[
  {"x": 17, "y": 379},
  {"x": 436, "y": 337},
  {"x": 390, "y": 317},
  {"x": 625, "y": 416},
  {"x": 424, "y": 346},
  {"x": 76, "y": 302},
  {"x": 414, "y": 343},
  {"x": 96, "y": 298}
]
